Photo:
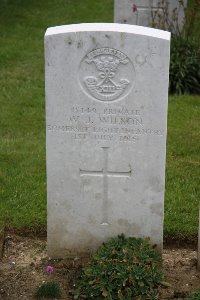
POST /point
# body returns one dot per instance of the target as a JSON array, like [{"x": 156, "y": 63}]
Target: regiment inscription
[{"x": 106, "y": 74}]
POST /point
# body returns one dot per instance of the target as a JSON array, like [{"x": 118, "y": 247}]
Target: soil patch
[{"x": 24, "y": 263}]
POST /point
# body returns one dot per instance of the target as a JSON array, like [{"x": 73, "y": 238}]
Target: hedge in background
[{"x": 184, "y": 74}]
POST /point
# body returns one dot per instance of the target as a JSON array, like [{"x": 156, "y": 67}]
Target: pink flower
[
  {"x": 134, "y": 8},
  {"x": 50, "y": 269}
]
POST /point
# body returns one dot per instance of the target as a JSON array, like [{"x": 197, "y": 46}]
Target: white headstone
[
  {"x": 149, "y": 12},
  {"x": 106, "y": 117}
]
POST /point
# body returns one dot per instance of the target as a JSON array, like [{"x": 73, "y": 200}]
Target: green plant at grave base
[
  {"x": 48, "y": 290},
  {"x": 122, "y": 268},
  {"x": 184, "y": 73},
  {"x": 195, "y": 296}
]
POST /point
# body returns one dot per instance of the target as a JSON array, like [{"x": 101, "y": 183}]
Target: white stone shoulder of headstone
[{"x": 106, "y": 119}]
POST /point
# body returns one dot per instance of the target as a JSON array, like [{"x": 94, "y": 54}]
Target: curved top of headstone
[{"x": 140, "y": 30}]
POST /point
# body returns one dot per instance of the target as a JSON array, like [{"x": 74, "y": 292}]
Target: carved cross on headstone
[{"x": 105, "y": 173}]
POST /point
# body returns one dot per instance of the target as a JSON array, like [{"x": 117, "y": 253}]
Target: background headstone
[
  {"x": 141, "y": 12},
  {"x": 106, "y": 117}
]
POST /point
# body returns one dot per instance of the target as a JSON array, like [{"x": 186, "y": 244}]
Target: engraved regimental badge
[{"x": 106, "y": 74}]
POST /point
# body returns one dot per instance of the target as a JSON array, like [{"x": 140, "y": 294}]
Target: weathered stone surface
[
  {"x": 106, "y": 118},
  {"x": 145, "y": 12}
]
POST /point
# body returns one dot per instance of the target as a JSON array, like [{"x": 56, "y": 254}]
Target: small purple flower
[
  {"x": 50, "y": 269},
  {"x": 134, "y": 8}
]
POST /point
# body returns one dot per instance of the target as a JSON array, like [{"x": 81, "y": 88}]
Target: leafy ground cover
[{"x": 22, "y": 119}]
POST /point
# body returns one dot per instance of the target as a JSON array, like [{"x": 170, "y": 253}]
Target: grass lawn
[
  {"x": 22, "y": 118},
  {"x": 183, "y": 166}
]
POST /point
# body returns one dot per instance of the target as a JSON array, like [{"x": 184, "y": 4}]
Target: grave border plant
[
  {"x": 122, "y": 268},
  {"x": 168, "y": 20},
  {"x": 195, "y": 295},
  {"x": 184, "y": 75},
  {"x": 49, "y": 290}
]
